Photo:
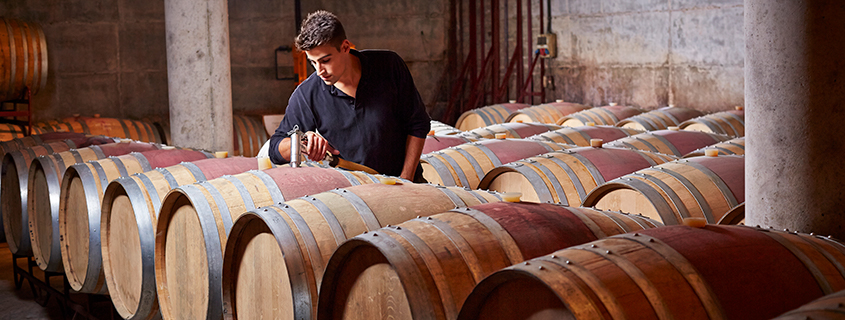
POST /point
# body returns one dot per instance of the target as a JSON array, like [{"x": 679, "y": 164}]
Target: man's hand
[{"x": 317, "y": 146}]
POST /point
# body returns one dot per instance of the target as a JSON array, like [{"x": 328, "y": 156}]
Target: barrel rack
[
  {"x": 42, "y": 290},
  {"x": 13, "y": 113}
]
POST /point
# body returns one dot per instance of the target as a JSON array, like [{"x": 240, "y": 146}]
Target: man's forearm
[
  {"x": 413, "y": 150},
  {"x": 284, "y": 149}
]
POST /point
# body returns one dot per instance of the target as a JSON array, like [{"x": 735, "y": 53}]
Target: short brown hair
[{"x": 319, "y": 28}]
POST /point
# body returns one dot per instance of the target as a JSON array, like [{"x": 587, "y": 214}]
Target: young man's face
[{"x": 329, "y": 62}]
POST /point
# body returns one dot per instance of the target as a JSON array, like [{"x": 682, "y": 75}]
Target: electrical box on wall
[{"x": 547, "y": 45}]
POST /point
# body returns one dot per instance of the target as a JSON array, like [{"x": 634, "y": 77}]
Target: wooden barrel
[
  {"x": 489, "y": 115},
  {"x": 735, "y": 216},
  {"x": 80, "y": 196},
  {"x": 511, "y": 130},
  {"x": 660, "y": 119},
  {"x": 442, "y": 129},
  {"x": 113, "y": 127},
  {"x": 734, "y": 146},
  {"x": 672, "y": 142},
  {"x": 581, "y": 136},
  {"x": 283, "y": 249},
  {"x": 9, "y": 131},
  {"x": 80, "y": 232},
  {"x": 829, "y": 307},
  {"x": 196, "y": 220},
  {"x": 674, "y": 272},
  {"x": 567, "y": 176},
  {"x": 377, "y": 275},
  {"x": 249, "y": 135},
  {"x": 23, "y": 58},
  {"x": 37, "y": 139},
  {"x": 703, "y": 187},
  {"x": 43, "y": 194},
  {"x": 546, "y": 113},
  {"x": 607, "y": 115},
  {"x": 464, "y": 165},
  {"x": 439, "y": 142},
  {"x": 130, "y": 207},
  {"x": 72, "y": 139},
  {"x": 13, "y": 183},
  {"x": 731, "y": 123}
]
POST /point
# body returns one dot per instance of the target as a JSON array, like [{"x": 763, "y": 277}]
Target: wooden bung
[
  {"x": 275, "y": 256},
  {"x": 673, "y": 272},
  {"x": 426, "y": 267}
]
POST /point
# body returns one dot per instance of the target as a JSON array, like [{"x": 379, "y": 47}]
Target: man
[{"x": 363, "y": 105}]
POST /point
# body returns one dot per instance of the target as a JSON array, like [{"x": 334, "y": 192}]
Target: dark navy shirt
[{"x": 370, "y": 129}]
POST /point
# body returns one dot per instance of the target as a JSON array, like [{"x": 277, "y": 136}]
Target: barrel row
[
  {"x": 465, "y": 165},
  {"x": 567, "y": 176},
  {"x": 189, "y": 227},
  {"x": 674, "y": 272},
  {"x": 378, "y": 275}
]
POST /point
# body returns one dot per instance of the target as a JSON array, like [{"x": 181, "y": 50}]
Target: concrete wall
[
  {"x": 108, "y": 56},
  {"x": 650, "y": 53},
  {"x": 105, "y": 56},
  {"x": 415, "y": 29}
]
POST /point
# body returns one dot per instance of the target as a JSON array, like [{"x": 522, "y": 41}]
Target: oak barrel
[
  {"x": 130, "y": 206},
  {"x": 442, "y": 129},
  {"x": 379, "y": 275},
  {"x": 274, "y": 261},
  {"x": 581, "y": 136},
  {"x": 71, "y": 139},
  {"x": 513, "y": 130},
  {"x": 114, "y": 127},
  {"x": 194, "y": 223},
  {"x": 674, "y": 272},
  {"x": 13, "y": 188},
  {"x": 546, "y": 113},
  {"x": 485, "y": 116},
  {"x": 703, "y": 187},
  {"x": 43, "y": 194},
  {"x": 567, "y": 176},
  {"x": 607, "y": 115},
  {"x": 672, "y": 142},
  {"x": 465, "y": 165},
  {"x": 734, "y": 216},
  {"x": 829, "y": 307},
  {"x": 80, "y": 196},
  {"x": 731, "y": 123},
  {"x": 249, "y": 135},
  {"x": 734, "y": 146},
  {"x": 660, "y": 119},
  {"x": 23, "y": 58},
  {"x": 440, "y": 142}
]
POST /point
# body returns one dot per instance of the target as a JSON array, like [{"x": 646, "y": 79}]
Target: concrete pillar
[
  {"x": 795, "y": 115},
  {"x": 199, "y": 73}
]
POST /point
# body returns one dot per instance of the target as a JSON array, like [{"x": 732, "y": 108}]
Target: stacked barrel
[{"x": 552, "y": 211}]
